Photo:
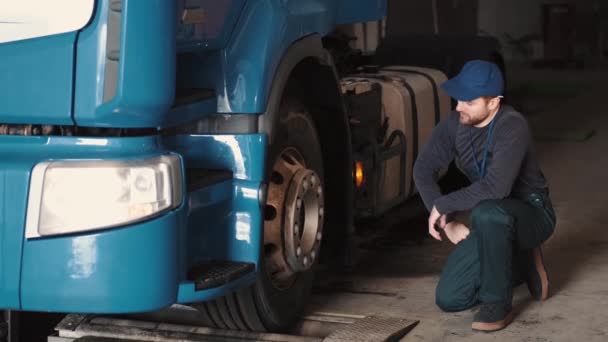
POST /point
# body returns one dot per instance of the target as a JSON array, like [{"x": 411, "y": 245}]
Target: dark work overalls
[{"x": 493, "y": 258}]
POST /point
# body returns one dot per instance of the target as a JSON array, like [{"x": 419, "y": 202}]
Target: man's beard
[{"x": 466, "y": 120}]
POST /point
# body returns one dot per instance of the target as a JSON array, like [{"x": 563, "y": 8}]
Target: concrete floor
[{"x": 399, "y": 266}]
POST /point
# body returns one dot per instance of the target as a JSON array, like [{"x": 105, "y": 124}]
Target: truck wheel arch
[
  {"x": 305, "y": 79},
  {"x": 312, "y": 68}
]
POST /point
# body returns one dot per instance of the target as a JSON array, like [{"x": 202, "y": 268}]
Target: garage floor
[{"x": 399, "y": 266}]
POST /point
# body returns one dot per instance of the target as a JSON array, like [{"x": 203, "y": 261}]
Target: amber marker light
[{"x": 359, "y": 176}]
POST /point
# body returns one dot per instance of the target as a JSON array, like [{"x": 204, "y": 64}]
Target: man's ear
[{"x": 494, "y": 103}]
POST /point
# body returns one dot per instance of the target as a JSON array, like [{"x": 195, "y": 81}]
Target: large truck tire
[{"x": 293, "y": 229}]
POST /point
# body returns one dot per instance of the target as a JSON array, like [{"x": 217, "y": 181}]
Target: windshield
[{"x": 26, "y": 19}]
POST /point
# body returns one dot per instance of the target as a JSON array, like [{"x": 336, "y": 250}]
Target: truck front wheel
[{"x": 293, "y": 230}]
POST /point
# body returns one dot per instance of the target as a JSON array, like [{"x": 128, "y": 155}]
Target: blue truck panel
[
  {"x": 242, "y": 154},
  {"x": 224, "y": 223},
  {"x": 20, "y": 154},
  {"x": 246, "y": 53},
  {"x": 101, "y": 77},
  {"x": 214, "y": 33},
  {"x": 138, "y": 267},
  {"x": 225, "y": 219},
  {"x": 265, "y": 30},
  {"x": 37, "y": 87},
  {"x": 146, "y": 72},
  {"x": 91, "y": 62},
  {"x": 263, "y": 34},
  {"x": 128, "y": 269},
  {"x": 235, "y": 232},
  {"x": 14, "y": 178}
]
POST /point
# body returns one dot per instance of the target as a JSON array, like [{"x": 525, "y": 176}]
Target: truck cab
[
  {"x": 195, "y": 152},
  {"x": 160, "y": 152}
]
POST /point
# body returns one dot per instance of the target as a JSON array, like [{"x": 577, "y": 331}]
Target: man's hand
[
  {"x": 436, "y": 219},
  {"x": 456, "y": 231}
]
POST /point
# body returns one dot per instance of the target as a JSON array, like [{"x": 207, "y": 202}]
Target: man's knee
[
  {"x": 446, "y": 303},
  {"x": 450, "y": 298},
  {"x": 449, "y": 302},
  {"x": 488, "y": 214}
]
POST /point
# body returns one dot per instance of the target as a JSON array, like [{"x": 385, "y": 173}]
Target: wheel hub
[
  {"x": 303, "y": 226},
  {"x": 293, "y": 227}
]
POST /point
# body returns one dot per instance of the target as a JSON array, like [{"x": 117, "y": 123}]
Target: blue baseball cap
[{"x": 476, "y": 79}]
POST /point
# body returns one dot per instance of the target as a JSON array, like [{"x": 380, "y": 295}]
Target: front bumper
[
  {"x": 142, "y": 266},
  {"x": 129, "y": 269}
]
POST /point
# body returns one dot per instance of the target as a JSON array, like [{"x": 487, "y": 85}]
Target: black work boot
[
  {"x": 492, "y": 317},
  {"x": 537, "y": 280}
]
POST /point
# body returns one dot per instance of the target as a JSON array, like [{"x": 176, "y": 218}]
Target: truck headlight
[{"x": 75, "y": 196}]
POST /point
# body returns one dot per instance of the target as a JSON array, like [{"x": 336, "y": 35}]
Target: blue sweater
[{"x": 512, "y": 169}]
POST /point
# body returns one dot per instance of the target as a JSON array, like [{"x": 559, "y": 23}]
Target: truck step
[
  {"x": 201, "y": 178},
  {"x": 216, "y": 273}
]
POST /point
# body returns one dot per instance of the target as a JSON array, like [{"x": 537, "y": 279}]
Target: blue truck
[{"x": 158, "y": 152}]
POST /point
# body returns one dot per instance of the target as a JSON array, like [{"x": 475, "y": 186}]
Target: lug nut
[
  {"x": 313, "y": 180},
  {"x": 305, "y": 185},
  {"x": 298, "y": 251},
  {"x": 313, "y": 254},
  {"x": 296, "y": 229},
  {"x": 321, "y": 211},
  {"x": 319, "y": 236},
  {"x": 299, "y": 203},
  {"x": 305, "y": 261}
]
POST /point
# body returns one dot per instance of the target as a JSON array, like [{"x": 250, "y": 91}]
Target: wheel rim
[{"x": 293, "y": 226}]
